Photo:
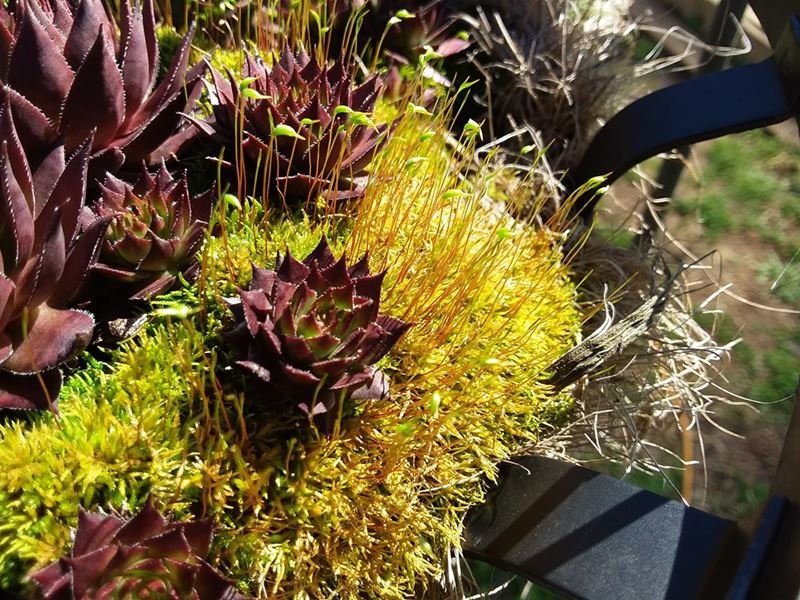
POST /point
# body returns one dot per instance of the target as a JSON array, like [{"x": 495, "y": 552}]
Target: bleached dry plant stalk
[{"x": 661, "y": 381}]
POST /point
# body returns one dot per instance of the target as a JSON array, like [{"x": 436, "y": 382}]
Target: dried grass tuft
[
  {"x": 547, "y": 69},
  {"x": 660, "y": 382}
]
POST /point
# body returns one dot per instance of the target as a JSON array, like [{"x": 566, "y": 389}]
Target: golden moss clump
[{"x": 372, "y": 510}]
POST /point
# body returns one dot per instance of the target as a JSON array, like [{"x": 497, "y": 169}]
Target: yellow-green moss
[
  {"x": 118, "y": 439},
  {"x": 370, "y": 512},
  {"x": 373, "y": 511}
]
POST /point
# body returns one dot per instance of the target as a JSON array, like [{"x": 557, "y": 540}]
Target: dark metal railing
[{"x": 702, "y": 108}]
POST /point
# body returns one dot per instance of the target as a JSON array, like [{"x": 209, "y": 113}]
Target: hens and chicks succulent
[
  {"x": 309, "y": 332},
  {"x": 145, "y": 556},
  {"x": 303, "y": 127},
  {"x": 82, "y": 112}
]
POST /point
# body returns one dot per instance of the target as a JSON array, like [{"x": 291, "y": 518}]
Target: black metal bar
[
  {"x": 743, "y": 586},
  {"x": 702, "y": 108},
  {"x": 722, "y": 33},
  {"x": 588, "y": 535},
  {"x": 773, "y": 15},
  {"x": 779, "y": 576}
]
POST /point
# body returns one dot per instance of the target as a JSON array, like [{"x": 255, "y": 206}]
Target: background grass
[
  {"x": 741, "y": 196},
  {"x": 748, "y": 183}
]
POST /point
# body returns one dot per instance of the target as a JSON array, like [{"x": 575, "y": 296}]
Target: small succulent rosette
[
  {"x": 309, "y": 332},
  {"x": 411, "y": 28},
  {"x": 143, "y": 557},
  {"x": 68, "y": 75},
  {"x": 45, "y": 258},
  {"x": 303, "y": 127},
  {"x": 156, "y": 229}
]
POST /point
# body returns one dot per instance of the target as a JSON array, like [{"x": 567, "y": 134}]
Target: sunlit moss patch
[{"x": 372, "y": 510}]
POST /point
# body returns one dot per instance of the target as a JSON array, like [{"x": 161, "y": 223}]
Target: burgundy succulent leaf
[
  {"x": 68, "y": 75},
  {"x": 143, "y": 557},
  {"x": 430, "y": 25},
  {"x": 156, "y": 228},
  {"x": 45, "y": 259},
  {"x": 298, "y": 126},
  {"x": 308, "y": 333}
]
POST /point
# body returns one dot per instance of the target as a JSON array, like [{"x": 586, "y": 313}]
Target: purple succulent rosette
[
  {"x": 144, "y": 557},
  {"x": 156, "y": 228},
  {"x": 323, "y": 152},
  {"x": 68, "y": 75},
  {"x": 308, "y": 333},
  {"x": 45, "y": 258}
]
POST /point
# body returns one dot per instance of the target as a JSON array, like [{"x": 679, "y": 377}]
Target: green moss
[
  {"x": 369, "y": 512},
  {"x": 169, "y": 40},
  {"x": 117, "y": 440}
]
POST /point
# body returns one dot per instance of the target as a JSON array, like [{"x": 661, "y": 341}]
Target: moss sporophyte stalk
[{"x": 322, "y": 361}]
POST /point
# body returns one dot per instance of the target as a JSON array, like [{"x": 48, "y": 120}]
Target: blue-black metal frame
[{"x": 702, "y": 108}]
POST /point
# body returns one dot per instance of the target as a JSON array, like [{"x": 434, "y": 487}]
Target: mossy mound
[{"x": 372, "y": 510}]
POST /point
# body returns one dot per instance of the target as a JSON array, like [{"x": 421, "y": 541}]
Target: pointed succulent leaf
[
  {"x": 53, "y": 582},
  {"x": 16, "y": 216},
  {"x": 376, "y": 389},
  {"x": 46, "y": 176},
  {"x": 135, "y": 63},
  {"x": 81, "y": 257},
  {"x": 173, "y": 80},
  {"x": 147, "y": 138},
  {"x": 69, "y": 191},
  {"x": 256, "y": 369},
  {"x": 36, "y": 132},
  {"x": 16, "y": 155},
  {"x": 37, "y": 69},
  {"x": 159, "y": 286},
  {"x": 95, "y": 102},
  {"x": 49, "y": 338},
  {"x": 39, "y": 276},
  {"x": 94, "y": 530},
  {"x": 6, "y": 44},
  {"x": 87, "y": 568},
  {"x": 352, "y": 381},
  {"x": 7, "y": 288},
  {"x": 89, "y": 19},
  {"x": 30, "y": 392}
]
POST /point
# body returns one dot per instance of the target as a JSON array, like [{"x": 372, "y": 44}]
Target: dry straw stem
[{"x": 660, "y": 382}]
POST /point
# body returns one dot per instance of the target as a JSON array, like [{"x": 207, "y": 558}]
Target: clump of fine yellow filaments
[{"x": 372, "y": 511}]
